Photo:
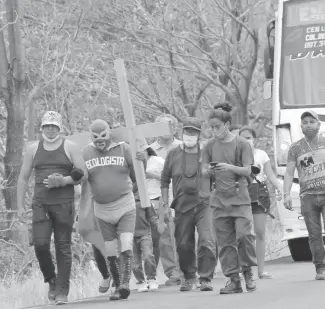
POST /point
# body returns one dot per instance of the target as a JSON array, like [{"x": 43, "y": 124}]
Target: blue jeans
[
  {"x": 58, "y": 219},
  {"x": 143, "y": 251},
  {"x": 312, "y": 207}
]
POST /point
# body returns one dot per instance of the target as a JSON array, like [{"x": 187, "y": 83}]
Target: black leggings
[{"x": 101, "y": 263}]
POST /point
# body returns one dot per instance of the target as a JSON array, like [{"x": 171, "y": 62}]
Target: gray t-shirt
[
  {"x": 226, "y": 192},
  {"x": 310, "y": 165}
]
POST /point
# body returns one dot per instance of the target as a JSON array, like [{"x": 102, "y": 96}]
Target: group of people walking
[{"x": 207, "y": 189}]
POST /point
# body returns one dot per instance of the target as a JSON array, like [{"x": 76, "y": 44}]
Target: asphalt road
[{"x": 293, "y": 287}]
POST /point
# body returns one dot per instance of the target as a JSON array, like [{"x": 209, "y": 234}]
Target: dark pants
[
  {"x": 143, "y": 251},
  {"x": 236, "y": 240},
  {"x": 58, "y": 218},
  {"x": 101, "y": 263},
  {"x": 312, "y": 208},
  {"x": 185, "y": 223}
]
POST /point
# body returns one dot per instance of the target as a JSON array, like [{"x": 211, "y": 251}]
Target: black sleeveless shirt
[{"x": 46, "y": 163}]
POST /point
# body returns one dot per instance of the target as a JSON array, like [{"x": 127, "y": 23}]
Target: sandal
[{"x": 265, "y": 275}]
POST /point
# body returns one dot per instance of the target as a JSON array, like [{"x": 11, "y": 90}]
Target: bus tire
[{"x": 299, "y": 249}]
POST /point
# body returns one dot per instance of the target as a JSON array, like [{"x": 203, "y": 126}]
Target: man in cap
[
  {"x": 308, "y": 156},
  {"x": 55, "y": 162},
  {"x": 191, "y": 205},
  {"x": 110, "y": 183},
  {"x": 163, "y": 244}
]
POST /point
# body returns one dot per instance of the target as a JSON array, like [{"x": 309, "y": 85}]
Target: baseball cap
[
  {"x": 52, "y": 118},
  {"x": 193, "y": 123},
  {"x": 310, "y": 114}
]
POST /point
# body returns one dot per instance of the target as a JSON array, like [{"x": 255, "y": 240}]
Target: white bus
[{"x": 295, "y": 71}]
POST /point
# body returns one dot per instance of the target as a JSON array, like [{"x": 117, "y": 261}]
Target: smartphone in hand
[{"x": 213, "y": 164}]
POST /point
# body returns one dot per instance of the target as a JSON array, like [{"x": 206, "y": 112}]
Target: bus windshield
[{"x": 302, "y": 73}]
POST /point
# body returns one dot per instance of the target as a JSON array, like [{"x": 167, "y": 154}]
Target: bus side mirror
[
  {"x": 267, "y": 90},
  {"x": 269, "y": 50}
]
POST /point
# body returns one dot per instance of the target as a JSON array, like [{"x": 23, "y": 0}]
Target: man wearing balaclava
[
  {"x": 58, "y": 166},
  {"x": 110, "y": 183}
]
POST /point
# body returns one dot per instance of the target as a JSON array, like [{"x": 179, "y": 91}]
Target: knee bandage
[
  {"x": 126, "y": 241},
  {"x": 111, "y": 247}
]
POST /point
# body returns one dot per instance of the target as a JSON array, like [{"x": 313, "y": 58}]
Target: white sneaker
[
  {"x": 152, "y": 284},
  {"x": 143, "y": 287}
]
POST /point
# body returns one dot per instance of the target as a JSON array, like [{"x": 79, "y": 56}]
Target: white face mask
[{"x": 189, "y": 140}]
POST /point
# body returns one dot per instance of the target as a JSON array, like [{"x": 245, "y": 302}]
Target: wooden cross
[{"x": 132, "y": 134}]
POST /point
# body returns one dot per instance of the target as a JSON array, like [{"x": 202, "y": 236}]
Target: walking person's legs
[
  {"x": 167, "y": 255},
  {"x": 228, "y": 253},
  {"x": 103, "y": 269},
  {"x": 125, "y": 231},
  {"x": 150, "y": 267},
  {"x": 246, "y": 245},
  {"x": 206, "y": 246},
  {"x": 63, "y": 218},
  {"x": 312, "y": 207},
  {"x": 260, "y": 232},
  {"x": 137, "y": 265},
  {"x": 185, "y": 244},
  {"x": 41, "y": 233}
]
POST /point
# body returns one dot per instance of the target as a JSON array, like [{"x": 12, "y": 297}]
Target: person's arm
[
  {"x": 166, "y": 177},
  {"x": 78, "y": 163},
  {"x": 207, "y": 170},
  {"x": 270, "y": 175},
  {"x": 129, "y": 161},
  {"x": 288, "y": 178},
  {"x": 25, "y": 173}
]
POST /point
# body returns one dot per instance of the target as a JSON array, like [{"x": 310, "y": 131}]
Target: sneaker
[
  {"x": 52, "y": 290},
  {"x": 61, "y": 300},
  {"x": 143, "y": 287},
  {"x": 249, "y": 280},
  {"x": 115, "y": 295},
  {"x": 206, "y": 286},
  {"x": 173, "y": 281},
  {"x": 104, "y": 285},
  {"x": 233, "y": 286},
  {"x": 320, "y": 275},
  {"x": 152, "y": 285},
  {"x": 265, "y": 275},
  {"x": 187, "y": 285}
]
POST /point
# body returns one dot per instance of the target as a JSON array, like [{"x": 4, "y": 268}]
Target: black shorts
[{"x": 257, "y": 209}]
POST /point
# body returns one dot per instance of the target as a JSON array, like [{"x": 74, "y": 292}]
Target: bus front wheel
[{"x": 299, "y": 249}]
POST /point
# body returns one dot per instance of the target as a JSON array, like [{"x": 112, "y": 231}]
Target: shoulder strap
[{"x": 197, "y": 163}]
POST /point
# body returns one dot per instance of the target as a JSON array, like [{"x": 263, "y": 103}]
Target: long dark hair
[{"x": 151, "y": 152}]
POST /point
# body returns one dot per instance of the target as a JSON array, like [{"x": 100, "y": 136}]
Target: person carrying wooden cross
[
  {"x": 110, "y": 183},
  {"x": 191, "y": 204}
]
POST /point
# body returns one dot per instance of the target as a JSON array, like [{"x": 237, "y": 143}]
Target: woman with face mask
[
  {"x": 260, "y": 198},
  {"x": 228, "y": 158},
  {"x": 191, "y": 205}
]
